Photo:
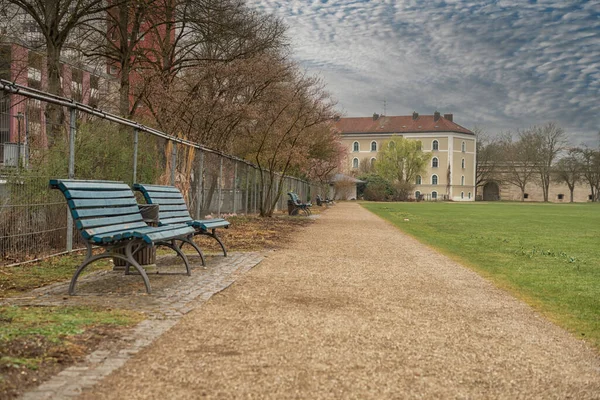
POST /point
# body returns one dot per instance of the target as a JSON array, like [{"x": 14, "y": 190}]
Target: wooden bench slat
[
  {"x": 209, "y": 224},
  {"x": 103, "y": 221},
  {"x": 167, "y": 201},
  {"x": 173, "y": 214},
  {"x": 156, "y": 188},
  {"x": 164, "y": 195},
  {"x": 177, "y": 207},
  {"x": 168, "y": 234},
  {"x": 90, "y": 232},
  {"x": 66, "y": 184},
  {"x": 177, "y": 220},
  {"x": 77, "y": 203},
  {"x": 104, "y": 211},
  {"x": 98, "y": 194}
]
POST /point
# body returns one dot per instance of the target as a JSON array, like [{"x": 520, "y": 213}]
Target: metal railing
[{"x": 83, "y": 142}]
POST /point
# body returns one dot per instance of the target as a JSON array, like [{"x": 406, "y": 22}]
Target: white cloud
[{"x": 498, "y": 64}]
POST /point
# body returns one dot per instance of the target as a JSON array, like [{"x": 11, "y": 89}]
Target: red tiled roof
[{"x": 398, "y": 124}]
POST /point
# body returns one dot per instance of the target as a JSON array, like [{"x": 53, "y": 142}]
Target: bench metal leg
[
  {"x": 191, "y": 242},
  {"x": 128, "y": 258},
  {"x": 172, "y": 245},
  {"x": 214, "y": 236}
]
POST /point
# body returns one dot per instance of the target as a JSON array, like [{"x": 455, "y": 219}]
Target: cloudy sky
[{"x": 498, "y": 64}]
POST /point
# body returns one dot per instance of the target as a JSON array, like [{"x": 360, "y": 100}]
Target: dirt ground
[
  {"x": 355, "y": 309},
  {"x": 246, "y": 234}
]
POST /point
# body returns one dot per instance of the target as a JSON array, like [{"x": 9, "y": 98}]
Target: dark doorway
[{"x": 491, "y": 191}]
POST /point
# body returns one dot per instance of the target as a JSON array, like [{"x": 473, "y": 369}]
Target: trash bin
[
  {"x": 292, "y": 210},
  {"x": 147, "y": 255}
]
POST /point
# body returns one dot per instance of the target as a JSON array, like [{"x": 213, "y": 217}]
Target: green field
[{"x": 545, "y": 254}]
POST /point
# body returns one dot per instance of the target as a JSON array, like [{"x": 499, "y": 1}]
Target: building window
[
  {"x": 418, "y": 180},
  {"x": 433, "y": 195},
  {"x": 590, "y": 197},
  {"x": 462, "y": 195},
  {"x": 355, "y": 147},
  {"x": 561, "y": 196},
  {"x": 526, "y": 195},
  {"x": 355, "y": 163},
  {"x": 373, "y": 159},
  {"x": 373, "y": 146},
  {"x": 462, "y": 180},
  {"x": 434, "y": 179},
  {"x": 469, "y": 196},
  {"x": 463, "y": 147},
  {"x": 417, "y": 195},
  {"x": 435, "y": 145},
  {"x": 434, "y": 162},
  {"x": 462, "y": 163}
]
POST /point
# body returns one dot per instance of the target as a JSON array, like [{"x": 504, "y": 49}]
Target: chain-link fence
[{"x": 44, "y": 136}]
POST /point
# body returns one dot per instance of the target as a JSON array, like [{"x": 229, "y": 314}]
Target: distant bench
[
  {"x": 106, "y": 214},
  {"x": 173, "y": 210},
  {"x": 295, "y": 205}
]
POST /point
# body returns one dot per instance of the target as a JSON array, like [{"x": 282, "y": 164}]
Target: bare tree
[
  {"x": 206, "y": 35},
  {"x": 550, "y": 140},
  {"x": 590, "y": 169},
  {"x": 489, "y": 155},
  {"x": 520, "y": 159},
  {"x": 56, "y": 20},
  {"x": 569, "y": 170},
  {"x": 280, "y": 138}
]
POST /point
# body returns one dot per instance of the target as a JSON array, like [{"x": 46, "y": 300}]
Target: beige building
[{"x": 451, "y": 171}]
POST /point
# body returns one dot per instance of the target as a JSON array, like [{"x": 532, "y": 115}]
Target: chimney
[
  {"x": 375, "y": 116},
  {"x": 448, "y": 117},
  {"x": 436, "y": 116},
  {"x": 415, "y": 115}
]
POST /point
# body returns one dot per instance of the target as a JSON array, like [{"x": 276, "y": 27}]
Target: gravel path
[{"x": 354, "y": 310}]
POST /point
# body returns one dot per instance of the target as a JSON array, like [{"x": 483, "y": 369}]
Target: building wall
[
  {"x": 449, "y": 153},
  {"x": 534, "y": 193}
]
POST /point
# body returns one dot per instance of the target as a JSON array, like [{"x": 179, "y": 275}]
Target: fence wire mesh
[{"x": 37, "y": 138}]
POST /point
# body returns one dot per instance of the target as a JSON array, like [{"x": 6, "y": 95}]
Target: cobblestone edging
[{"x": 164, "y": 313}]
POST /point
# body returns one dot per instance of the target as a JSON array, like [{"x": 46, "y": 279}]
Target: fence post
[
  {"x": 247, "y": 189},
  {"x": 199, "y": 197},
  {"x": 255, "y": 188},
  {"x": 135, "y": 154},
  {"x": 235, "y": 176},
  {"x": 173, "y": 163},
  {"x": 26, "y": 139},
  {"x": 72, "y": 131},
  {"x": 276, "y": 193},
  {"x": 220, "y": 182}
]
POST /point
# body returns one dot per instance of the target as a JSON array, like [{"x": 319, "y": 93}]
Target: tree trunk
[
  {"x": 571, "y": 189},
  {"x": 125, "y": 56},
  {"x": 54, "y": 113},
  {"x": 522, "y": 194}
]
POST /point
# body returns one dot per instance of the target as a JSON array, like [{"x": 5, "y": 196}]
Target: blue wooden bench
[
  {"x": 321, "y": 201},
  {"x": 173, "y": 210},
  {"x": 297, "y": 206},
  {"x": 106, "y": 214}
]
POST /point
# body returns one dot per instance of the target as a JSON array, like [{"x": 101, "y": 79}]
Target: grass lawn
[{"x": 546, "y": 254}]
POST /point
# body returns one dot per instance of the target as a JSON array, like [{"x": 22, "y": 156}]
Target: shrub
[{"x": 375, "y": 188}]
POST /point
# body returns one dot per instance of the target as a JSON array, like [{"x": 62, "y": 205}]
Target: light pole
[{"x": 19, "y": 118}]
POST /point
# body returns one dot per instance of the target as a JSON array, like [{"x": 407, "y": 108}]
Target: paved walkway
[{"x": 356, "y": 309}]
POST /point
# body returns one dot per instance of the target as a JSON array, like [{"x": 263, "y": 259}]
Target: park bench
[
  {"x": 320, "y": 201},
  {"x": 295, "y": 205},
  {"x": 106, "y": 214},
  {"x": 173, "y": 210}
]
